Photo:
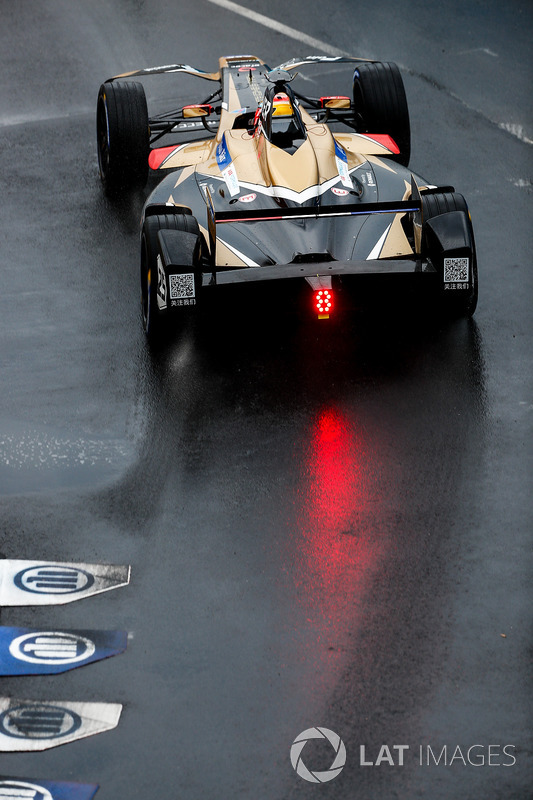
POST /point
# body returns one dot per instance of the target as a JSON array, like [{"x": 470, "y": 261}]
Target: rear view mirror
[
  {"x": 197, "y": 110},
  {"x": 335, "y": 101}
]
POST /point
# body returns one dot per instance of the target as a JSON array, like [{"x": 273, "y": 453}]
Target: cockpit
[
  {"x": 280, "y": 117},
  {"x": 287, "y": 130}
]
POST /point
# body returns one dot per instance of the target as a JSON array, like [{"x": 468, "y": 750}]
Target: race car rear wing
[
  {"x": 315, "y": 212},
  {"x": 215, "y": 218}
]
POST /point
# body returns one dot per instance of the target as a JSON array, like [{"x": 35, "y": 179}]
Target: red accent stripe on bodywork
[
  {"x": 384, "y": 139},
  {"x": 160, "y": 154}
]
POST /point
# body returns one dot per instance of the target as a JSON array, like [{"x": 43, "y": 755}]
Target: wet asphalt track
[{"x": 326, "y": 526}]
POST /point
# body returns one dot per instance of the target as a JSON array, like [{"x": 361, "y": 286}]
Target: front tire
[
  {"x": 123, "y": 136},
  {"x": 380, "y": 104}
]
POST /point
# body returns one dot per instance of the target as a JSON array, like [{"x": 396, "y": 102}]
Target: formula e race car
[{"x": 281, "y": 194}]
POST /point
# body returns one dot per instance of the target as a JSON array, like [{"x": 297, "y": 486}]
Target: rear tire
[
  {"x": 123, "y": 136},
  {"x": 380, "y": 104},
  {"x": 154, "y": 322},
  {"x": 453, "y": 304}
]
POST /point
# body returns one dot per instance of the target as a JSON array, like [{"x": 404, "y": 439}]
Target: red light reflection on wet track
[
  {"x": 336, "y": 550},
  {"x": 334, "y": 469}
]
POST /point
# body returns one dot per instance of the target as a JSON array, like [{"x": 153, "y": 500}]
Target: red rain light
[{"x": 323, "y": 303}]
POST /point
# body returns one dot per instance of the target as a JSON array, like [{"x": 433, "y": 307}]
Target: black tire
[
  {"x": 380, "y": 104},
  {"x": 152, "y": 318},
  {"x": 453, "y": 304},
  {"x": 123, "y": 136}
]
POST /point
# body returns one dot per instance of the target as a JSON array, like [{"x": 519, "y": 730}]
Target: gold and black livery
[{"x": 261, "y": 184}]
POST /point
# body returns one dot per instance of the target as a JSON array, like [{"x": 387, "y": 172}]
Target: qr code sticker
[
  {"x": 455, "y": 270},
  {"x": 181, "y": 286}
]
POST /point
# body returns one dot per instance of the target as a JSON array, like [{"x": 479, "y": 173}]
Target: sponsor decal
[
  {"x": 32, "y": 789},
  {"x": 28, "y": 725},
  {"x": 166, "y": 67},
  {"x": 226, "y": 167},
  {"x": 53, "y": 580},
  {"x": 22, "y": 789},
  {"x": 230, "y": 177},
  {"x": 51, "y": 648},
  {"x": 297, "y": 62},
  {"x": 316, "y": 776},
  {"x": 338, "y": 191},
  {"x": 222, "y": 154},
  {"x": 161, "y": 285},
  {"x": 247, "y": 198},
  {"x": 290, "y": 194},
  {"x": 181, "y": 286},
  {"x": 341, "y": 159},
  {"x": 25, "y": 651},
  {"x": 182, "y": 126},
  {"x": 323, "y": 58},
  {"x": 456, "y": 270},
  {"x": 39, "y": 722},
  {"x": 264, "y": 111},
  {"x": 27, "y": 583}
]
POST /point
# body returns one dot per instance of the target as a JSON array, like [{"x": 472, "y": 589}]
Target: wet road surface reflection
[{"x": 295, "y": 498}]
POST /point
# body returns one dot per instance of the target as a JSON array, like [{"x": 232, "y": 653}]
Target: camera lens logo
[
  {"x": 53, "y": 580},
  {"x": 36, "y": 721},
  {"x": 324, "y": 775},
  {"x": 51, "y": 647},
  {"x": 20, "y": 790}
]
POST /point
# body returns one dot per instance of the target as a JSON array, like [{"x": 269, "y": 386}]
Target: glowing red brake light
[{"x": 323, "y": 303}]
